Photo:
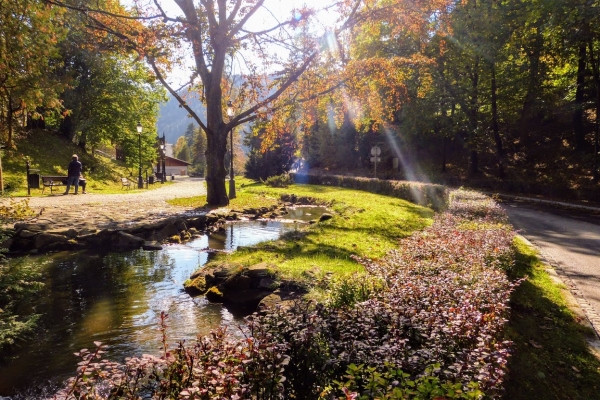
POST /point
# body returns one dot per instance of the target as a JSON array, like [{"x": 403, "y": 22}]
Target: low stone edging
[{"x": 41, "y": 236}]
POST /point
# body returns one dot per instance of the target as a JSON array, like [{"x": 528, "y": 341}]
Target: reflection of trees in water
[
  {"x": 140, "y": 266},
  {"x": 114, "y": 298},
  {"x": 86, "y": 297},
  {"x": 85, "y": 288}
]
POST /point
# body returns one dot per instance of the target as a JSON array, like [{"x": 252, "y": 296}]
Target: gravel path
[{"x": 112, "y": 210}]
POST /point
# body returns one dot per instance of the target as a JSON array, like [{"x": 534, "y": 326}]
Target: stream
[{"x": 116, "y": 299}]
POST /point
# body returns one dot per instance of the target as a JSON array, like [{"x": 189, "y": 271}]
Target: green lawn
[
  {"x": 364, "y": 225},
  {"x": 50, "y": 155},
  {"x": 551, "y": 358}
]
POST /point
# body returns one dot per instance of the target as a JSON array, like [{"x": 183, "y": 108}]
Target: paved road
[{"x": 570, "y": 241}]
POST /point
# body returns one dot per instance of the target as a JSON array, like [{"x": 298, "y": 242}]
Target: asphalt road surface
[{"x": 568, "y": 239}]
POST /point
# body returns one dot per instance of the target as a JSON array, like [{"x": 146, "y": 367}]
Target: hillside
[
  {"x": 174, "y": 119},
  {"x": 50, "y": 153}
]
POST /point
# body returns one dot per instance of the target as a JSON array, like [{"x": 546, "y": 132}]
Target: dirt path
[{"x": 111, "y": 210}]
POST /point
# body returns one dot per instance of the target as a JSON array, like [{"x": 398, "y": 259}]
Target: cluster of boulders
[
  {"x": 42, "y": 237},
  {"x": 254, "y": 286},
  {"x": 242, "y": 287}
]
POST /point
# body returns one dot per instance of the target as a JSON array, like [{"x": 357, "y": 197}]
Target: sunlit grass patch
[
  {"x": 241, "y": 202},
  {"x": 195, "y": 201},
  {"x": 364, "y": 225},
  {"x": 49, "y": 154}
]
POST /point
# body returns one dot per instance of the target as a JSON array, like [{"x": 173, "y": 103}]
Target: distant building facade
[{"x": 174, "y": 166}]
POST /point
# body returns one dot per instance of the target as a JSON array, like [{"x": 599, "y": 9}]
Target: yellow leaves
[
  {"x": 280, "y": 122},
  {"x": 377, "y": 86}
]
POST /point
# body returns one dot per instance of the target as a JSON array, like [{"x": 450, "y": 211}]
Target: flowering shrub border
[{"x": 430, "y": 326}]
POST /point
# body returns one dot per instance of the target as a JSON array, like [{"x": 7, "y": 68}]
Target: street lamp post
[
  {"x": 163, "y": 149},
  {"x": 140, "y": 179},
  {"x": 230, "y": 113}
]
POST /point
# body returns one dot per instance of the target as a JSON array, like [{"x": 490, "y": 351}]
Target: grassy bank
[
  {"x": 364, "y": 225},
  {"x": 50, "y": 155},
  {"x": 551, "y": 358},
  {"x": 423, "y": 321}
]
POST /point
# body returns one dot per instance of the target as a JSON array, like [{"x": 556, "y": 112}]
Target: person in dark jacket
[{"x": 73, "y": 174}]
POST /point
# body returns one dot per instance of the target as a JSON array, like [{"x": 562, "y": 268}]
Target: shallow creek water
[{"x": 116, "y": 298}]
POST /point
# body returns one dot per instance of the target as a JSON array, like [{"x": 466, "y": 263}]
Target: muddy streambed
[{"x": 116, "y": 298}]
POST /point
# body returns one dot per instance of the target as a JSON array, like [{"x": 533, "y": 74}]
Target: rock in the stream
[
  {"x": 125, "y": 241},
  {"x": 152, "y": 245}
]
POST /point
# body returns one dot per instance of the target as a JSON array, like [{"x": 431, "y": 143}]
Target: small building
[{"x": 175, "y": 166}]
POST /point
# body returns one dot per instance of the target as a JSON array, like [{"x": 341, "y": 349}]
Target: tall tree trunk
[
  {"x": 9, "y": 123},
  {"x": 216, "y": 147},
  {"x": 495, "y": 130},
  {"x": 474, "y": 162},
  {"x": 445, "y": 133},
  {"x": 474, "y": 111},
  {"x": 578, "y": 127},
  {"x": 533, "y": 54},
  {"x": 444, "y": 153},
  {"x": 595, "y": 61},
  {"x": 66, "y": 127},
  {"x": 82, "y": 141}
]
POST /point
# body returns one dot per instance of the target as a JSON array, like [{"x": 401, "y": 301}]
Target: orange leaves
[
  {"x": 378, "y": 86},
  {"x": 387, "y": 68},
  {"x": 280, "y": 123},
  {"x": 113, "y": 27}
]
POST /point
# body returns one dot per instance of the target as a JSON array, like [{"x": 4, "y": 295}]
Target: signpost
[{"x": 375, "y": 153}]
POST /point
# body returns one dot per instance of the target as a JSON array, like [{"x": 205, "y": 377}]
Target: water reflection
[
  {"x": 305, "y": 213},
  {"x": 116, "y": 298}
]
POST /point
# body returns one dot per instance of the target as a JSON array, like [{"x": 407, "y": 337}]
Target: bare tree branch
[
  {"x": 85, "y": 9},
  {"x": 181, "y": 101}
]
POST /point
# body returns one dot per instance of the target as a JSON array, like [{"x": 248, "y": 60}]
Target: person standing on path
[{"x": 73, "y": 174}]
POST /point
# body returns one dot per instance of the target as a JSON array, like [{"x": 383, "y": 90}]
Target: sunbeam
[{"x": 410, "y": 167}]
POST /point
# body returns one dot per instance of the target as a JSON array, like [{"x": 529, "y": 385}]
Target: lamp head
[
  {"x": 139, "y": 127},
  {"x": 230, "y": 111}
]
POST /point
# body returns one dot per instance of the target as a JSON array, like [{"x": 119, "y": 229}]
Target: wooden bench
[
  {"x": 51, "y": 181},
  {"x": 125, "y": 183}
]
